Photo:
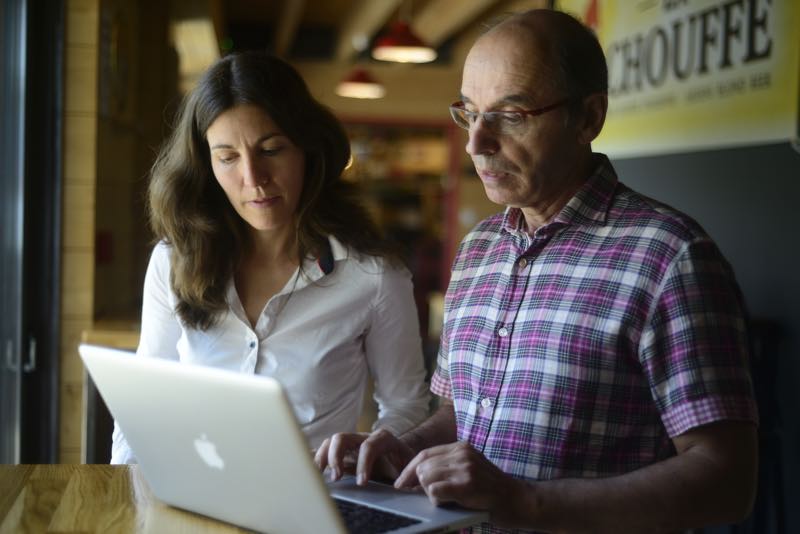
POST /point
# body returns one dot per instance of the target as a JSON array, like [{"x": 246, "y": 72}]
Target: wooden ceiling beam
[
  {"x": 286, "y": 26},
  {"x": 440, "y": 19},
  {"x": 364, "y": 21}
]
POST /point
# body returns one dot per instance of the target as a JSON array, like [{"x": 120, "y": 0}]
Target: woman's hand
[{"x": 379, "y": 455}]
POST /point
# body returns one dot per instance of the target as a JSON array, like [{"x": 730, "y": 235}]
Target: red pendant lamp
[
  {"x": 359, "y": 83},
  {"x": 401, "y": 45}
]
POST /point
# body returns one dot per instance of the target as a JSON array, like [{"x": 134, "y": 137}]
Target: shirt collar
[
  {"x": 333, "y": 251},
  {"x": 313, "y": 270},
  {"x": 588, "y": 207},
  {"x": 325, "y": 261}
]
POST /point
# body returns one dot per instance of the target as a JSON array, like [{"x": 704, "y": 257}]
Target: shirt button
[
  {"x": 502, "y": 332},
  {"x": 252, "y": 344},
  {"x": 486, "y": 402},
  {"x": 523, "y": 263}
]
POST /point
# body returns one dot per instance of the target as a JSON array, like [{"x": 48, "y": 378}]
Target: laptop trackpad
[
  {"x": 409, "y": 502},
  {"x": 375, "y": 492}
]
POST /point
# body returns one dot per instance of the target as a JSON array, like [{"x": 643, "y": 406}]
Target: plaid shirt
[{"x": 580, "y": 349}]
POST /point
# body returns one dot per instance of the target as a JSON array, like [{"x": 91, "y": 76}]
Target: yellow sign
[{"x": 696, "y": 74}]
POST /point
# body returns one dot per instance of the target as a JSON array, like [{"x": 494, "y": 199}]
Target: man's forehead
[{"x": 501, "y": 66}]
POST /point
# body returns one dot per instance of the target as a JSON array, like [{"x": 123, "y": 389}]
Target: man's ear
[{"x": 594, "y": 116}]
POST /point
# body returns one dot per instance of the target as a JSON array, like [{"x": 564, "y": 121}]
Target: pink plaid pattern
[{"x": 578, "y": 351}]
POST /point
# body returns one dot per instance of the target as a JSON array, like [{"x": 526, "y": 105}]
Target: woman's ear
[{"x": 594, "y": 116}]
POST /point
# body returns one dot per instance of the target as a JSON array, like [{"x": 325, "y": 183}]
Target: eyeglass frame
[{"x": 459, "y": 106}]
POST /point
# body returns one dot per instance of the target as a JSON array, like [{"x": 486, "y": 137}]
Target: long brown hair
[{"x": 188, "y": 209}]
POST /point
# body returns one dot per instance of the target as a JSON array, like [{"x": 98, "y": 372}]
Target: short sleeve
[
  {"x": 694, "y": 348},
  {"x": 440, "y": 381}
]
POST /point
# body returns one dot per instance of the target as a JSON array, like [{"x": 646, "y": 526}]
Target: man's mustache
[{"x": 494, "y": 166}]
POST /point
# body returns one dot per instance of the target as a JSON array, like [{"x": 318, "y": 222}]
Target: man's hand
[
  {"x": 378, "y": 455},
  {"x": 458, "y": 473}
]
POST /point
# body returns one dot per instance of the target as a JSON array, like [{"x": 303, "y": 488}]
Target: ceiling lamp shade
[
  {"x": 400, "y": 44},
  {"x": 360, "y": 84}
]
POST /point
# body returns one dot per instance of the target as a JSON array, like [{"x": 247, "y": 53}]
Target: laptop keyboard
[{"x": 360, "y": 519}]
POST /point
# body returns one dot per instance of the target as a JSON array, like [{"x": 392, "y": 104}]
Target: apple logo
[{"x": 208, "y": 452}]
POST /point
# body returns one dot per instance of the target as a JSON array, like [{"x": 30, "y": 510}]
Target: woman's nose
[{"x": 253, "y": 174}]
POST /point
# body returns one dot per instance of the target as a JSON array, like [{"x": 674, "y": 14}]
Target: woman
[{"x": 266, "y": 264}]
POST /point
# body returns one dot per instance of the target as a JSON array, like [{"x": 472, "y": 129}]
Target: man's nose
[{"x": 482, "y": 140}]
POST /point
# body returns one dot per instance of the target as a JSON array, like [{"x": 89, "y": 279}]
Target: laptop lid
[{"x": 227, "y": 445}]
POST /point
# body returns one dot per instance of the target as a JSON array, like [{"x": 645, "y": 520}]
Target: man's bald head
[{"x": 559, "y": 44}]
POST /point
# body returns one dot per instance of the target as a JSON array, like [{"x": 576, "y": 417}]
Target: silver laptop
[{"x": 227, "y": 445}]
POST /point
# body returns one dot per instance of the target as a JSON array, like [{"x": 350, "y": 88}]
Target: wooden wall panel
[
  {"x": 80, "y": 138},
  {"x": 79, "y": 202},
  {"x": 81, "y": 69},
  {"x": 80, "y": 149},
  {"x": 77, "y": 270},
  {"x": 82, "y": 22}
]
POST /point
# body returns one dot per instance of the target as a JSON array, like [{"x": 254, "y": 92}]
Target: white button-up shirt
[{"x": 321, "y": 337}]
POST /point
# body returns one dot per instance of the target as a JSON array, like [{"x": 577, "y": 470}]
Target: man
[{"x": 593, "y": 358}]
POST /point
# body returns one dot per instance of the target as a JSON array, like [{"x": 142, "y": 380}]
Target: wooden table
[{"x": 72, "y": 498}]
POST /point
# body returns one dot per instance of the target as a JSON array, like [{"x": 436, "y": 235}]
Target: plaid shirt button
[{"x": 502, "y": 332}]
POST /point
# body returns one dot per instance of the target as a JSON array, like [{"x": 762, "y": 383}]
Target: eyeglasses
[{"x": 499, "y": 122}]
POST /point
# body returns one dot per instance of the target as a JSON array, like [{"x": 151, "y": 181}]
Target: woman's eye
[
  {"x": 225, "y": 158},
  {"x": 271, "y": 151}
]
